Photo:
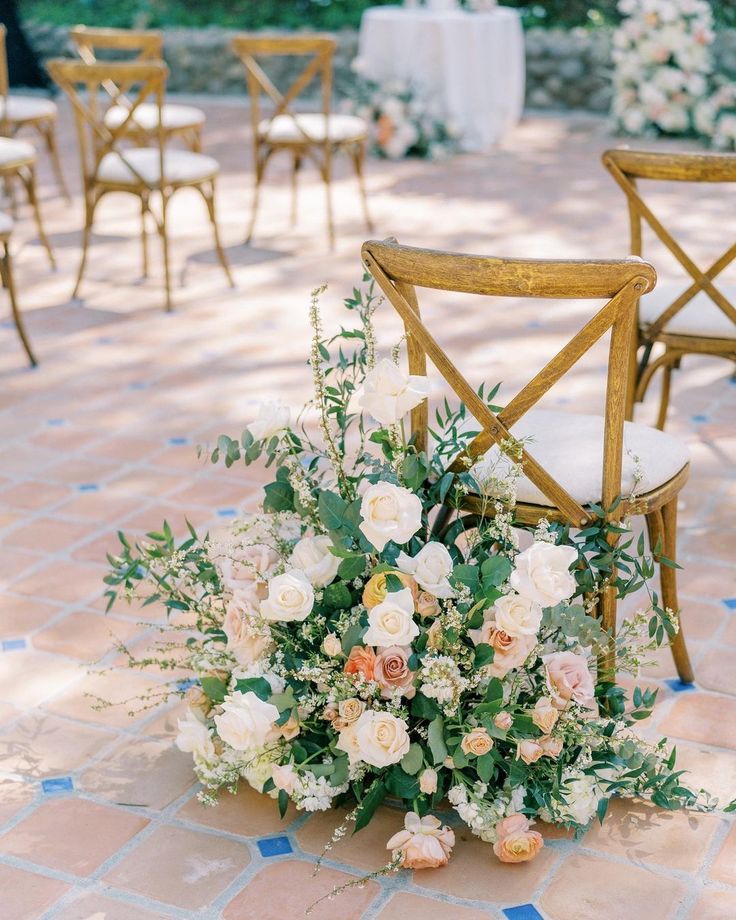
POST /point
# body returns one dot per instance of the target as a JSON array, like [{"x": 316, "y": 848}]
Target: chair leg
[
  {"x": 144, "y": 235},
  {"x": 295, "y": 167},
  {"x": 48, "y": 131},
  {"x": 195, "y": 142},
  {"x": 9, "y": 188},
  {"x": 29, "y": 181},
  {"x": 260, "y": 168},
  {"x": 9, "y": 283},
  {"x": 90, "y": 203},
  {"x": 662, "y": 528},
  {"x": 358, "y": 162},
  {"x": 327, "y": 178},
  {"x": 664, "y": 399},
  {"x": 210, "y": 202},
  {"x": 607, "y": 604},
  {"x": 163, "y": 231}
]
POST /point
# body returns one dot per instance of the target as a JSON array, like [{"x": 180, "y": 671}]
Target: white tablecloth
[{"x": 472, "y": 63}]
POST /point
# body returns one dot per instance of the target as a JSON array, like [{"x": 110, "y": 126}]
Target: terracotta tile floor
[{"x": 100, "y": 819}]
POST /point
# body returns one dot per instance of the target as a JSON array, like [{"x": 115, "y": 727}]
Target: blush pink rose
[
  {"x": 568, "y": 678},
  {"x": 509, "y": 651},
  {"x": 425, "y": 843},
  {"x": 515, "y": 841},
  {"x": 391, "y": 672},
  {"x": 529, "y": 751},
  {"x": 248, "y": 569}
]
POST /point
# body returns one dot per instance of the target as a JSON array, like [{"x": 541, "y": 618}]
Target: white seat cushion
[
  {"x": 285, "y": 128},
  {"x": 28, "y": 108},
  {"x": 570, "y": 448},
  {"x": 180, "y": 167},
  {"x": 146, "y": 116},
  {"x": 6, "y": 223},
  {"x": 700, "y": 316},
  {"x": 14, "y": 151}
]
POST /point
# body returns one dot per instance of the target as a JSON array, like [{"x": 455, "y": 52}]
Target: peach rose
[
  {"x": 503, "y": 720},
  {"x": 423, "y": 844},
  {"x": 551, "y": 747},
  {"x": 391, "y": 672},
  {"x": 375, "y": 590},
  {"x": 545, "y": 715},
  {"x": 515, "y": 841},
  {"x": 361, "y": 660},
  {"x": 427, "y": 605},
  {"x": 198, "y": 702},
  {"x": 509, "y": 651},
  {"x": 477, "y": 742},
  {"x": 529, "y": 751},
  {"x": 434, "y": 635},
  {"x": 348, "y": 711},
  {"x": 290, "y": 729},
  {"x": 329, "y": 713},
  {"x": 568, "y": 678},
  {"x": 428, "y": 781}
]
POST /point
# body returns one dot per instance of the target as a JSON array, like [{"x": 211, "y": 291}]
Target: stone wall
[{"x": 565, "y": 69}]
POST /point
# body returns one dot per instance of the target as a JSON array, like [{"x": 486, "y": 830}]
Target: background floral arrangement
[
  {"x": 403, "y": 121},
  {"x": 344, "y": 651}
]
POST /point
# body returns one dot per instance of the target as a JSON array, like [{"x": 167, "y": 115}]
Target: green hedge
[{"x": 289, "y": 14}]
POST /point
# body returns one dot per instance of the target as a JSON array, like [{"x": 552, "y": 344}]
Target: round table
[{"x": 472, "y": 64}]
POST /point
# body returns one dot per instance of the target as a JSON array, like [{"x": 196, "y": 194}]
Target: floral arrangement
[
  {"x": 346, "y": 646},
  {"x": 662, "y": 64},
  {"x": 403, "y": 121}
]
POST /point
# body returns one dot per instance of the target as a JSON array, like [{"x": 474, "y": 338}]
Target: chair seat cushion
[
  {"x": 700, "y": 316},
  {"x": 14, "y": 151},
  {"x": 6, "y": 224},
  {"x": 180, "y": 167},
  {"x": 146, "y": 116},
  {"x": 570, "y": 448},
  {"x": 285, "y": 129},
  {"x": 29, "y": 108}
]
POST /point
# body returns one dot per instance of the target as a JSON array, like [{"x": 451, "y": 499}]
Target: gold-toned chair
[
  {"x": 698, "y": 320},
  {"x": 18, "y": 161},
  {"x": 110, "y": 166},
  {"x": 8, "y": 282},
  {"x": 314, "y": 135},
  {"x": 182, "y": 121},
  {"x": 574, "y": 460},
  {"x": 36, "y": 112}
]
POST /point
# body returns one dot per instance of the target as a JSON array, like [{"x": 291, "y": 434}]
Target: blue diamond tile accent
[
  {"x": 184, "y": 685},
  {"x": 7, "y": 324},
  {"x": 13, "y": 645},
  {"x": 227, "y": 512},
  {"x": 105, "y": 340},
  {"x": 534, "y": 324},
  {"x": 522, "y": 912},
  {"x": 56, "y": 422},
  {"x": 177, "y": 441},
  {"x": 88, "y": 487},
  {"x": 274, "y": 846},
  {"x": 138, "y": 385},
  {"x": 678, "y": 685},
  {"x": 730, "y": 602},
  {"x": 58, "y": 784},
  {"x": 699, "y": 418}
]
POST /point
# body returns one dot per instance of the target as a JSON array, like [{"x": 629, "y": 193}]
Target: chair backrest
[
  {"x": 628, "y": 166},
  {"x": 145, "y": 45},
  {"x": 83, "y": 85},
  {"x": 319, "y": 51},
  {"x": 399, "y": 270}
]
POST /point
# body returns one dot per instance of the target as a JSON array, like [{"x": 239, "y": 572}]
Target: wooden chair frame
[
  {"x": 45, "y": 125},
  {"x": 320, "y": 50},
  {"x": 399, "y": 270},
  {"x": 8, "y": 282},
  {"x": 626, "y": 167},
  {"x": 147, "y": 45},
  {"x": 96, "y": 140}
]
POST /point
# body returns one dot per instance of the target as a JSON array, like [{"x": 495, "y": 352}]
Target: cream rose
[
  {"x": 568, "y": 678},
  {"x": 388, "y": 393},
  {"x": 312, "y": 556},
  {"x": 348, "y": 712},
  {"x": 273, "y": 416},
  {"x": 244, "y": 642},
  {"x": 246, "y": 571},
  {"x": 290, "y": 597},
  {"x": 509, "y": 651},
  {"x": 284, "y": 777},
  {"x": 246, "y": 721},
  {"x": 194, "y": 738},
  {"x": 581, "y": 797},
  {"x": 382, "y": 739},
  {"x": 517, "y": 615},
  {"x": 425, "y": 843},
  {"x": 331, "y": 645},
  {"x": 347, "y": 742},
  {"x": 428, "y": 781},
  {"x": 431, "y": 567},
  {"x": 391, "y": 622},
  {"x": 427, "y": 605},
  {"x": 542, "y": 573},
  {"x": 389, "y": 512},
  {"x": 477, "y": 742},
  {"x": 545, "y": 715}
]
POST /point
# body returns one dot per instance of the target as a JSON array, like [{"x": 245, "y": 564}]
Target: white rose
[
  {"x": 391, "y": 622},
  {"x": 542, "y": 573},
  {"x": 246, "y": 721},
  {"x": 388, "y": 393},
  {"x": 517, "y": 615},
  {"x": 430, "y": 567},
  {"x": 389, "y": 513},
  {"x": 331, "y": 645},
  {"x": 382, "y": 739},
  {"x": 194, "y": 738},
  {"x": 244, "y": 642},
  {"x": 348, "y": 743},
  {"x": 273, "y": 416},
  {"x": 580, "y": 799},
  {"x": 290, "y": 597},
  {"x": 312, "y": 556}
]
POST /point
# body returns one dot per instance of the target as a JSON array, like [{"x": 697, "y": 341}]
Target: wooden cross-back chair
[
  {"x": 699, "y": 319},
  {"x": 182, "y": 121},
  {"x": 314, "y": 135},
  {"x": 108, "y": 165},
  {"x": 573, "y": 460},
  {"x": 35, "y": 112}
]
